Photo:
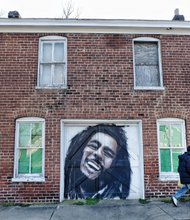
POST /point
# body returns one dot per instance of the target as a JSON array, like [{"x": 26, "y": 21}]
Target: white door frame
[{"x": 94, "y": 122}]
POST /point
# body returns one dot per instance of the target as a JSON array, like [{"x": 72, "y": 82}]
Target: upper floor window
[
  {"x": 147, "y": 64},
  {"x": 52, "y": 66},
  {"x": 171, "y": 143},
  {"x": 29, "y": 149}
]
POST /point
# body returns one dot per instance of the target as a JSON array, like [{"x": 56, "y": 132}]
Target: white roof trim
[{"x": 94, "y": 26}]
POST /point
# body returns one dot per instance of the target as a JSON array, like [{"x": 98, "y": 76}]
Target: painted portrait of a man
[{"x": 97, "y": 164}]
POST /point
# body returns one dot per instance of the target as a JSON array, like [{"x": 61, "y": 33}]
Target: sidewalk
[{"x": 104, "y": 210}]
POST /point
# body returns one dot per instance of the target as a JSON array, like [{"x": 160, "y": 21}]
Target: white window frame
[
  {"x": 28, "y": 177},
  {"x": 167, "y": 176},
  {"x": 148, "y": 39},
  {"x": 52, "y": 39}
]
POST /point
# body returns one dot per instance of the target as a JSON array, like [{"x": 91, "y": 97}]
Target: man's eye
[
  {"x": 108, "y": 154},
  {"x": 92, "y": 146}
]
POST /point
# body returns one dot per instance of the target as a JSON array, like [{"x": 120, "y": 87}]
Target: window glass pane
[
  {"x": 59, "y": 74},
  {"x": 59, "y": 52},
  {"x": 36, "y": 158},
  {"x": 146, "y": 53},
  {"x": 36, "y": 135},
  {"x": 23, "y": 163},
  {"x": 175, "y": 154},
  {"x": 147, "y": 76},
  {"x": 164, "y": 136},
  {"x": 24, "y": 135},
  {"x": 47, "y": 52},
  {"x": 45, "y": 75},
  {"x": 165, "y": 160},
  {"x": 176, "y": 136}
]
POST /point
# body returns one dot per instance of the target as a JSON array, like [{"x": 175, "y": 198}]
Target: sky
[{"x": 105, "y": 9}]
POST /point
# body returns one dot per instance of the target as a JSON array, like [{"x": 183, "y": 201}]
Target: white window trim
[
  {"x": 168, "y": 176},
  {"x": 29, "y": 177},
  {"x": 53, "y": 39},
  {"x": 148, "y": 39}
]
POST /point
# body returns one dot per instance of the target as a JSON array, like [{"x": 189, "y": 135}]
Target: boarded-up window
[{"x": 147, "y": 69}]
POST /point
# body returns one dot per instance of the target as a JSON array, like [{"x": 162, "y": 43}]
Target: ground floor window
[
  {"x": 171, "y": 143},
  {"x": 29, "y": 149}
]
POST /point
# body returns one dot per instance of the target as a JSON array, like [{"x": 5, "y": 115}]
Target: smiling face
[{"x": 98, "y": 155}]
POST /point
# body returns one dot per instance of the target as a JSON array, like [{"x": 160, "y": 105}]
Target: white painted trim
[
  {"x": 168, "y": 176},
  {"x": 62, "y": 160},
  {"x": 28, "y": 179},
  {"x": 53, "y": 38},
  {"x": 159, "y": 88},
  {"x": 141, "y": 157},
  {"x": 27, "y": 25},
  {"x": 146, "y": 39},
  {"x": 96, "y": 121},
  {"x": 174, "y": 120},
  {"x": 30, "y": 119}
]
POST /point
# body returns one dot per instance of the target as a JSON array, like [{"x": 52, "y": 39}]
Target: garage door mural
[{"x": 97, "y": 163}]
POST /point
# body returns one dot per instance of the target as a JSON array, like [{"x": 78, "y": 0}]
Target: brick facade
[{"x": 100, "y": 86}]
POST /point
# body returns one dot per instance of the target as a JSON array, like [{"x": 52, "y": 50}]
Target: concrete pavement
[{"x": 103, "y": 210}]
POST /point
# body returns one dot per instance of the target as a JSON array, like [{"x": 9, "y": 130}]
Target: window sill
[
  {"x": 149, "y": 88},
  {"x": 169, "y": 177},
  {"x": 52, "y": 88},
  {"x": 28, "y": 179}
]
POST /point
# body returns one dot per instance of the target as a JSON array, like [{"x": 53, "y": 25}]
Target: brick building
[{"x": 58, "y": 77}]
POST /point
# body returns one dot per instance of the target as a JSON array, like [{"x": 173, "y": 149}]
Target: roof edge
[{"x": 93, "y": 25}]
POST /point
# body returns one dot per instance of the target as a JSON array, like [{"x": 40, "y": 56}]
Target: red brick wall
[{"x": 100, "y": 86}]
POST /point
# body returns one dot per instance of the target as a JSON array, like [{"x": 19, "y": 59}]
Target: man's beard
[
  {"x": 83, "y": 187},
  {"x": 93, "y": 186}
]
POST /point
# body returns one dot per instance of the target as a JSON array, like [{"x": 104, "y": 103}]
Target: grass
[
  {"x": 185, "y": 199},
  {"x": 92, "y": 201},
  {"x": 79, "y": 203},
  {"x": 7, "y": 204},
  {"x": 168, "y": 200},
  {"x": 86, "y": 202}
]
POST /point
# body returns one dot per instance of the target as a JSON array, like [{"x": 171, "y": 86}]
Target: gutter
[{"x": 20, "y": 25}]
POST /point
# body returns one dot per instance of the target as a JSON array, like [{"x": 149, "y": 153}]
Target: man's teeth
[{"x": 91, "y": 164}]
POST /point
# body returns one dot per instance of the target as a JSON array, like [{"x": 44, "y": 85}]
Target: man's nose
[{"x": 98, "y": 153}]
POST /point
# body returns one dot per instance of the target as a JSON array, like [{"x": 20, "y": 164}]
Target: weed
[
  {"x": 185, "y": 199},
  {"x": 86, "y": 202},
  {"x": 144, "y": 201},
  {"x": 79, "y": 203},
  {"x": 166, "y": 200},
  {"x": 92, "y": 201},
  {"x": 7, "y": 204}
]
